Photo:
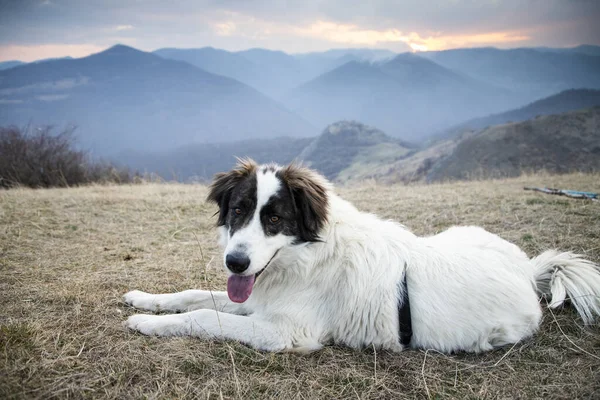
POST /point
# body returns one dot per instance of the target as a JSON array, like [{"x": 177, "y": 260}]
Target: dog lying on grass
[{"x": 307, "y": 269}]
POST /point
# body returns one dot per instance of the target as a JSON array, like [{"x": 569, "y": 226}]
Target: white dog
[{"x": 306, "y": 269}]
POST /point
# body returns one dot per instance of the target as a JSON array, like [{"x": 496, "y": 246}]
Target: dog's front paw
[
  {"x": 157, "y": 325},
  {"x": 140, "y": 300}
]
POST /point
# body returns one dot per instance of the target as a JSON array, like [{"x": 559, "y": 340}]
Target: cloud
[
  {"x": 349, "y": 34},
  {"x": 442, "y": 42},
  {"x": 225, "y": 28},
  {"x": 352, "y": 35},
  {"x": 123, "y": 28},
  {"x": 297, "y": 25}
]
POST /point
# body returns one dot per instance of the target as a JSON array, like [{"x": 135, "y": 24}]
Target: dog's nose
[{"x": 237, "y": 262}]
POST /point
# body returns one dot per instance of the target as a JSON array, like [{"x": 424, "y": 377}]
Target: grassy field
[{"x": 67, "y": 256}]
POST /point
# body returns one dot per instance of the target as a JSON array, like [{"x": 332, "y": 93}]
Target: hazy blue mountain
[
  {"x": 280, "y": 72},
  {"x": 265, "y": 56},
  {"x": 124, "y": 98},
  {"x": 272, "y": 72},
  {"x": 274, "y": 61},
  {"x": 349, "y": 151},
  {"x": 344, "y": 150},
  {"x": 588, "y": 49},
  {"x": 15, "y": 63},
  {"x": 408, "y": 96},
  {"x": 568, "y": 100},
  {"x": 10, "y": 64},
  {"x": 216, "y": 61},
  {"x": 199, "y": 162},
  {"x": 321, "y": 62},
  {"x": 354, "y": 54},
  {"x": 532, "y": 73},
  {"x": 52, "y": 59}
]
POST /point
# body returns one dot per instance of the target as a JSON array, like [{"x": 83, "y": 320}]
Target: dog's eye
[
  {"x": 237, "y": 211},
  {"x": 274, "y": 219}
]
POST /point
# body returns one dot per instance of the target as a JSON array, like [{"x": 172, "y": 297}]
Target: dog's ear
[
  {"x": 309, "y": 192},
  {"x": 223, "y": 183}
]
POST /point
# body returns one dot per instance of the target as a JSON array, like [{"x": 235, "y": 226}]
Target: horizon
[
  {"x": 101, "y": 50},
  {"x": 31, "y": 30}
]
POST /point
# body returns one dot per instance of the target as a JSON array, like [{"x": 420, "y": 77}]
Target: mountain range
[
  {"x": 568, "y": 100},
  {"x": 348, "y": 151},
  {"x": 274, "y": 73},
  {"x": 533, "y": 73},
  {"x": 125, "y": 99},
  {"x": 10, "y": 64},
  {"x": 407, "y": 96}
]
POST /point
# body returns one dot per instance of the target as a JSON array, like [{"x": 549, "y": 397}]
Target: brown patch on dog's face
[
  {"x": 224, "y": 183},
  {"x": 297, "y": 209},
  {"x": 308, "y": 191}
]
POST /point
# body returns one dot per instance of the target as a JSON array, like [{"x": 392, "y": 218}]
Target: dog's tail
[{"x": 558, "y": 275}]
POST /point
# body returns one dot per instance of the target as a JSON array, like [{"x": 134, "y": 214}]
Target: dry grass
[{"x": 67, "y": 256}]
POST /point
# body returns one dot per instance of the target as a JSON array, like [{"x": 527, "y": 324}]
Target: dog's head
[{"x": 262, "y": 210}]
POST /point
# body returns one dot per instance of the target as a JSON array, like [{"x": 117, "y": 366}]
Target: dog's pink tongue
[{"x": 239, "y": 287}]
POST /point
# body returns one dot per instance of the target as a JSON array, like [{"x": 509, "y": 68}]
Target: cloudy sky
[{"x": 34, "y": 29}]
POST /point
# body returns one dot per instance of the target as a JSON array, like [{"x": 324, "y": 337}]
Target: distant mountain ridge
[
  {"x": 587, "y": 49},
  {"x": 10, "y": 64},
  {"x": 349, "y": 151},
  {"x": 271, "y": 72},
  {"x": 420, "y": 93},
  {"x": 535, "y": 73},
  {"x": 343, "y": 149},
  {"x": 199, "y": 162},
  {"x": 407, "y": 96},
  {"x": 15, "y": 63},
  {"x": 125, "y": 98},
  {"x": 568, "y": 100}
]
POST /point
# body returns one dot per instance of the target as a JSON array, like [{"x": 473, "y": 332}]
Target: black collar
[{"x": 404, "y": 320}]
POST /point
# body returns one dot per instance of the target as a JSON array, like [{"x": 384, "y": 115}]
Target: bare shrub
[{"x": 36, "y": 157}]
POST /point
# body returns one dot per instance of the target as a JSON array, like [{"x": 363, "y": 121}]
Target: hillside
[
  {"x": 348, "y": 150},
  {"x": 531, "y": 72},
  {"x": 555, "y": 143},
  {"x": 408, "y": 96},
  {"x": 344, "y": 151},
  {"x": 123, "y": 98},
  {"x": 560, "y": 143},
  {"x": 568, "y": 100}
]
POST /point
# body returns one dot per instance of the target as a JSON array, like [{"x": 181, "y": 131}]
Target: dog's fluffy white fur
[{"x": 469, "y": 289}]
